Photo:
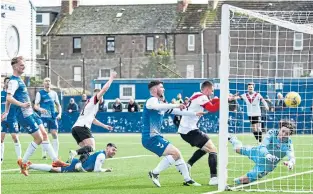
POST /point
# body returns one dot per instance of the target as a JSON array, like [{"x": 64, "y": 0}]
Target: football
[{"x": 292, "y": 99}]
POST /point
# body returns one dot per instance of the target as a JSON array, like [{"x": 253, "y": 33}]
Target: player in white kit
[
  {"x": 81, "y": 129},
  {"x": 190, "y": 132},
  {"x": 252, "y": 100}
]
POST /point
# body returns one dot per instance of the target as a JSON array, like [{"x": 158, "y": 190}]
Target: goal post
[{"x": 272, "y": 49}]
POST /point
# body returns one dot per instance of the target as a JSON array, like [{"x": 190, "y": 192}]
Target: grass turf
[{"x": 130, "y": 174}]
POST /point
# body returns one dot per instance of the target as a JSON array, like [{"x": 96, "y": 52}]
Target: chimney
[
  {"x": 182, "y": 5},
  {"x": 67, "y": 6}
]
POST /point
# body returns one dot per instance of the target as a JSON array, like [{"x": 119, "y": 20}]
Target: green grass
[{"x": 130, "y": 175}]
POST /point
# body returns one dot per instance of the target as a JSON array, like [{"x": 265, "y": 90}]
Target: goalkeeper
[{"x": 275, "y": 146}]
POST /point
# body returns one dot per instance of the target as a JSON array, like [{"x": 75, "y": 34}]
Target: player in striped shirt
[{"x": 253, "y": 100}]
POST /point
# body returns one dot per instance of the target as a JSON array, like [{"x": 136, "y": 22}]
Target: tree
[
  {"x": 160, "y": 65},
  {"x": 34, "y": 82}
]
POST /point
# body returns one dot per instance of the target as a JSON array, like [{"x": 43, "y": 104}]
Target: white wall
[
  {"x": 45, "y": 19},
  {"x": 23, "y": 19}
]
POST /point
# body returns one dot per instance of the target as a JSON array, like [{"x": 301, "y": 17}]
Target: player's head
[
  {"x": 156, "y": 89},
  {"x": 6, "y": 82},
  {"x": 250, "y": 87},
  {"x": 47, "y": 82},
  {"x": 110, "y": 150},
  {"x": 287, "y": 128},
  {"x": 18, "y": 65},
  {"x": 207, "y": 88},
  {"x": 84, "y": 96}
]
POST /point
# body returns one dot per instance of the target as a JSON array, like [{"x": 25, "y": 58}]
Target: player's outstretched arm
[
  {"x": 265, "y": 104},
  {"x": 177, "y": 111},
  {"x": 106, "y": 85},
  {"x": 212, "y": 106},
  {"x": 98, "y": 123},
  {"x": 153, "y": 103},
  {"x": 291, "y": 157}
]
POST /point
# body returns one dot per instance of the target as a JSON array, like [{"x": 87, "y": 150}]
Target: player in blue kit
[
  {"x": 93, "y": 163},
  {"x": 17, "y": 95},
  {"x": 152, "y": 140},
  {"x": 275, "y": 146},
  {"x": 45, "y": 103},
  {"x": 8, "y": 122}
]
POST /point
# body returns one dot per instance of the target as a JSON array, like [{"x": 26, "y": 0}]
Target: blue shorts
[
  {"x": 30, "y": 123},
  {"x": 50, "y": 123},
  {"x": 156, "y": 144},
  {"x": 9, "y": 127},
  {"x": 37, "y": 119},
  {"x": 262, "y": 166},
  {"x": 71, "y": 167}
]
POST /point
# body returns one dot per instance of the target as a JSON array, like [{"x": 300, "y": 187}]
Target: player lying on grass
[
  {"x": 275, "y": 146},
  {"x": 93, "y": 163}
]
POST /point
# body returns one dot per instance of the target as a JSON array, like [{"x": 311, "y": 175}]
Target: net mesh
[{"x": 274, "y": 51}]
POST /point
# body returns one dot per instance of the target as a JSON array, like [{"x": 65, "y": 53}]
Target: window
[
  {"x": 38, "y": 45},
  {"x": 297, "y": 71},
  {"x": 77, "y": 74},
  {"x": 104, "y": 73},
  {"x": 110, "y": 44},
  {"x": 149, "y": 43},
  {"x": 127, "y": 91},
  {"x": 77, "y": 47},
  {"x": 39, "y": 18},
  {"x": 190, "y": 71},
  {"x": 298, "y": 41},
  {"x": 191, "y": 42}
]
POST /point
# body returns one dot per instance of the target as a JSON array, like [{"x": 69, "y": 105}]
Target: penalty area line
[
  {"x": 264, "y": 181},
  {"x": 119, "y": 158}
]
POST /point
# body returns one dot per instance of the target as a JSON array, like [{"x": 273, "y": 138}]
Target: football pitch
[{"x": 132, "y": 163}]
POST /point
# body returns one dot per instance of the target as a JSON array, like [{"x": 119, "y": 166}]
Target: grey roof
[
  {"x": 136, "y": 19},
  {"x": 306, "y": 7},
  {"x": 52, "y": 9},
  {"x": 190, "y": 20},
  {"x": 42, "y": 30}
]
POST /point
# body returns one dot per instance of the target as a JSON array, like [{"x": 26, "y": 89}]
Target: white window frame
[
  {"x": 41, "y": 18},
  {"x": 188, "y": 68},
  {"x": 191, "y": 42},
  {"x": 297, "y": 71},
  {"x": 77, "y": 79},
  {"x": 148, "y": 46},
  {"x": 298, "y": 38},
  {"x": 122, "y": 86},
  {"x": 38, "y": 49},
  {"x": 100, "y": 76}
]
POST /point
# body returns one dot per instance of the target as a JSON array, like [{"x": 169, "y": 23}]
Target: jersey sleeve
[
  {"x": 211, "y": 106},
  {"x": 99, "y": 162},
  {"x": 56, "y": 98},
  {"x": 267, "y": 139},
  {"x": 38, "y": 98},
  {"x": 94, "y": 99},
  {"x": 12, "y": 87},
  {"x": 153, "y": 103}
]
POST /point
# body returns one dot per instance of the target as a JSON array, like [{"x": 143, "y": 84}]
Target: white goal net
[{"x": 272, "y": 50}]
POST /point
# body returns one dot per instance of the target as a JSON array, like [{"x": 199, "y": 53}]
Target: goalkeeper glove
[
  {"x": 271, "y": 158},
  {"x": 290, "y": 164}
]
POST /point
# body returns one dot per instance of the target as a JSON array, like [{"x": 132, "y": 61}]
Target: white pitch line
[
  {"x": 264, "y": 181},
  {"x": 120, "y": 158}
]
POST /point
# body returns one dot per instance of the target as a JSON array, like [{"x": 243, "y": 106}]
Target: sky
[{"x": 110, "y": 2}]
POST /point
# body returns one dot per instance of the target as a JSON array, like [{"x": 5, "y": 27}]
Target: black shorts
[
  {"x": 195, "y": 138},
  {"x": 255, "y": 119},
  {"x": 81, "y": 133}
]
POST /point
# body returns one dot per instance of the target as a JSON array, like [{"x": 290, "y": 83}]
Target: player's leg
[
  {"x": 256, "y": 173},
  {"x": 17, "y": 145},
  {"x": 2, "y": 143},
  {"x": 53, "y": 126},
  {"x": 43, "y": 151},
  {"x": 44, "y": 167},
  {"x": 210, "y": 148},
  {"x": 256, "y": 128}
]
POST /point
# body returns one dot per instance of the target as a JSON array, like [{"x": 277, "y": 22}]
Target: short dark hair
[
  {"x": 154, "y": 83},
  {"x": 206, "y": 84},
  {"x": 95, "y": 90},
  {"x": 16, "y": 60},
  {"x": 111, "y": 145},
  {"x": 289, "y": 124},
  {"x": 251, "y": 84},
  {"x": 6, "y": 78}
]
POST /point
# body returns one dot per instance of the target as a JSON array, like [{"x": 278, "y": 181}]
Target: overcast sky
[{"x": 109, "y": 2}]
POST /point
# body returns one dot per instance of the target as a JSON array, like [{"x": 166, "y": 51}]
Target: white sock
[
  {"x": 47, "y": 147},
  {"x": 18, "y": 149},
  {"x": 41, "y": 167},
  {"x": 166, "y": 162},
  {"x": 2, "y": 151},
  {"x": 182, "y": 168},
  {"x": 43, "y": 151},
  {"x": 55, "y": 145},
  {"x": 30, "y": 150}
]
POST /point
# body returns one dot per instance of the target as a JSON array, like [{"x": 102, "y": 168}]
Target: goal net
[{"x": 272, "y": 49}]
